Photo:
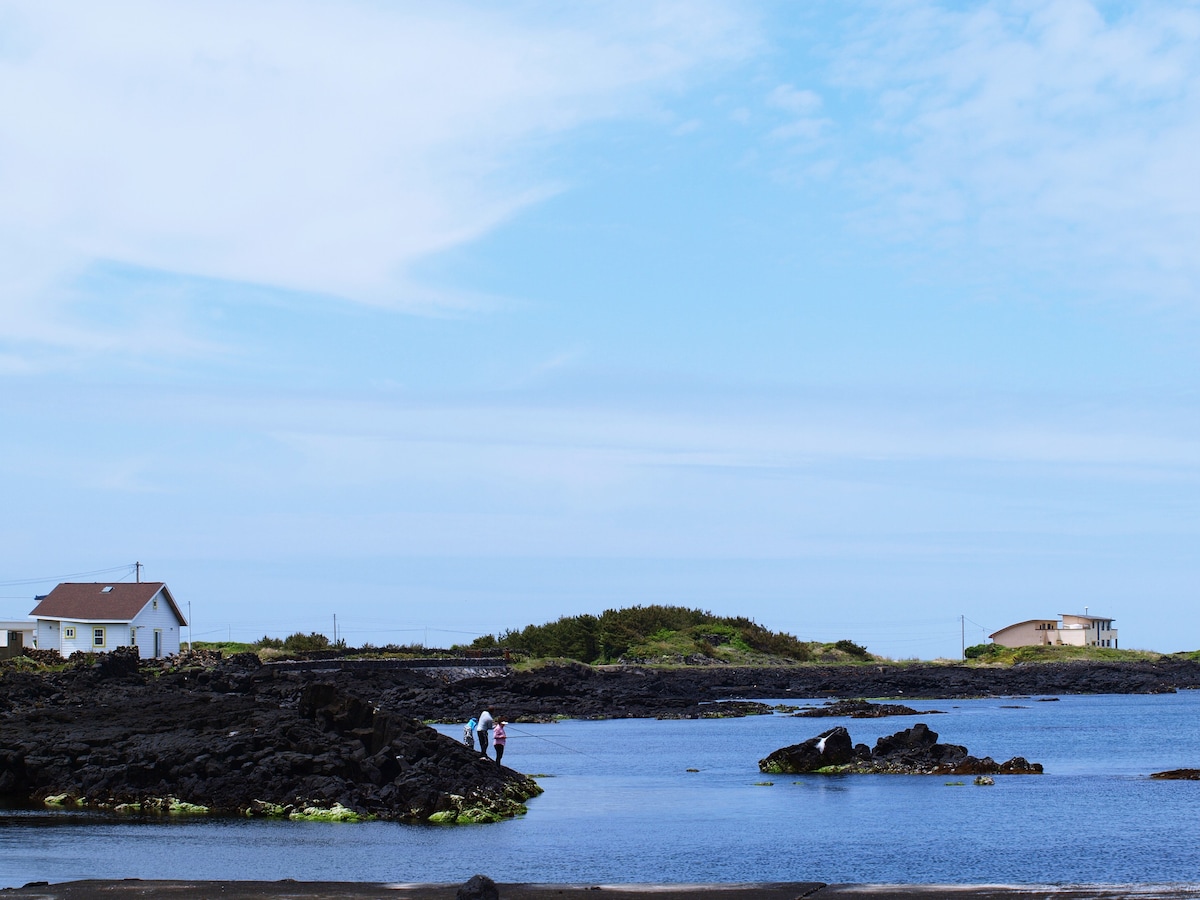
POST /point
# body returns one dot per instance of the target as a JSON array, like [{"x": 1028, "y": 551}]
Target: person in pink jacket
[{"x": 499, "y": 739}]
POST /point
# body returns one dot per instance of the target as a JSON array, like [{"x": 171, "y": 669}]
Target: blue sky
[{"x": 863, "y": 320}]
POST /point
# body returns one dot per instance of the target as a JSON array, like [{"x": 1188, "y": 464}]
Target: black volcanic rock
[
  {"x": 914, "y": 751},
  {"x": 245, "y": 735},
  {"x": 610, "y": 692},
  {"x": 237, "y": 738},
  {"x": 862, "y": 709}
]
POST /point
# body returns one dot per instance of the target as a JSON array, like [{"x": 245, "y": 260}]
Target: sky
[{"x": 876, "y": 321}]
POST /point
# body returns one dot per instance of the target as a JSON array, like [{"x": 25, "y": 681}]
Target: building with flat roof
[{"x": 1068, "y": 629}]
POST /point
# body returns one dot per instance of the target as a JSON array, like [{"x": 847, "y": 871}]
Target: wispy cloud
[
  {"x": 1051, "y": 138},
  {"x": 318, "y": 147}
]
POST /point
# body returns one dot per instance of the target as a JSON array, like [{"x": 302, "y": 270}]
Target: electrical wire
[{"x": 127, "y": 569}]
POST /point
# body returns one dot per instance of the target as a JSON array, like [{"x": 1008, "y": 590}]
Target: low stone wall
[{"x": 443, "y": 669}]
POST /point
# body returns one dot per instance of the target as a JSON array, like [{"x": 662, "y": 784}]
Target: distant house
[
  {"x": 15, "y": 635},
  {"x": 99, "y": 617},
  {"x": 1071, "y": 630}
]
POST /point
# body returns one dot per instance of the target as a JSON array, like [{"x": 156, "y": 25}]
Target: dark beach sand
[{"x": 312, "y": 890}]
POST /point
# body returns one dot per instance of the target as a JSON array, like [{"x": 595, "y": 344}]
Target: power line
[{"x": 127, "y": 569}]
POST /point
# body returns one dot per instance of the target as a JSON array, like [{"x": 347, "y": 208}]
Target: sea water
[{"x": 640, "y": 800}]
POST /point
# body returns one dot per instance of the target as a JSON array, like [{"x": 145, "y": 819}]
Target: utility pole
[
  {"x": 335, "y": 629},
  {"x": 962, "y": 621},
  {"x": 138, "y": 568}
]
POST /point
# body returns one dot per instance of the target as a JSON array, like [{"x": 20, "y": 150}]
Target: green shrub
[
  {"x": 851, "y": 648},
  {"x": 979, "y": 651},
  {"x": 644, "y": 632},
  {"x": 303, "y": 643}
]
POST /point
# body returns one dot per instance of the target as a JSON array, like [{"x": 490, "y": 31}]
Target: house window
[
  {"x": 98, "y": 637},
  {"x": 69, "y": 632}
]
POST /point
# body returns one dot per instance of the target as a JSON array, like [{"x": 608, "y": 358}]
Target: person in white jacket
[{"x": 483, "y": 728}]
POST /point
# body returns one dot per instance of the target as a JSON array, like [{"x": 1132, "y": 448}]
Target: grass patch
[{"x": 994, "y": 654}]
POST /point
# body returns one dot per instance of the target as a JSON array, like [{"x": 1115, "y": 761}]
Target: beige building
[{"x": 1072, "y": 630}]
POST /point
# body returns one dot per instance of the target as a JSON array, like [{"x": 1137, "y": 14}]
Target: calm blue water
[{"x": 622, "y": 807}]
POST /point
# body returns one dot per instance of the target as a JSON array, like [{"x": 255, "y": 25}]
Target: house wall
[
  {"x": 15, "y": 636},
  {"x": 27, "y": 629},
  {"x": 1089, "y": 632},
  {"x": 52, "y": 635},
  {"x": 48, "y": 635},
  {"x": 152, "y": 619},
  {"x": 1027, "y": 633}
]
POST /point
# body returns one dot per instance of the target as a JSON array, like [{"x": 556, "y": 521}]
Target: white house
[
  {"x": 15, "y": 635},
  {"x": 99, "y": 617},
  {"x": 1070, "y": 629}
]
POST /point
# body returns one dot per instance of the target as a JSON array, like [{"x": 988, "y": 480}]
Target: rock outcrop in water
[
  {"x": 862, "y": 709},
  {"x": 237, "y": 738},
  {"x": 914, "y": 751}
]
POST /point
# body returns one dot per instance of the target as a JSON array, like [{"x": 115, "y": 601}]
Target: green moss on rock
[{"x": 335, "y": 813}]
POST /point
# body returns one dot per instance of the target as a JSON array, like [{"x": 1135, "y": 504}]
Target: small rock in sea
[
  {"x": 914, "y": 751},
  {"x": 1179, "y": 775},
  {"x": 984, "y": 779},
  {"x": 478, "y": 887}
]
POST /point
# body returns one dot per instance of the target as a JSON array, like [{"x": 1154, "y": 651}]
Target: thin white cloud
[
  {"x": 794, "y": 100},
  {"x": 1055, "y": 138},
  {"x": 313, "y": 146}
]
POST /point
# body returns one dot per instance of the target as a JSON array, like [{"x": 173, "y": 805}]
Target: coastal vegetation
[
  {"x": 996, "y": 654},
  {"x": 666, "y": 634},
  {"x": 644, "y": 635}
]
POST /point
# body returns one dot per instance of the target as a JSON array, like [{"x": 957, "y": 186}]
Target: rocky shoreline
[
  {"x": 240, "y": 737},
  {"x": 236, "y": 738}
]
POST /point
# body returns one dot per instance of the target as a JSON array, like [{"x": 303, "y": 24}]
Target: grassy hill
[{"x": 666, "y": 635}]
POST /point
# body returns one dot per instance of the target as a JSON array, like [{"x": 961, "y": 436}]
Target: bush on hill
[{"x": 649, "y": 632}]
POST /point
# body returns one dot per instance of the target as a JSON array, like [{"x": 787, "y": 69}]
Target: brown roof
[{"x": 98, "y": 601}]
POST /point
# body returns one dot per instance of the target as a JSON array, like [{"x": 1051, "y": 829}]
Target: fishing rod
[{"x": 509, "y": 726}]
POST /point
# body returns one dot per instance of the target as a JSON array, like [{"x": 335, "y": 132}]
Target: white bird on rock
[{"x": 821, "y": 742}]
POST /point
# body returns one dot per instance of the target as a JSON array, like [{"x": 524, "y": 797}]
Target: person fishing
[
  {"x": 483, "y": 727},
  {"x": 469, "y": 732},
  {"x": 499, "y": 739}
]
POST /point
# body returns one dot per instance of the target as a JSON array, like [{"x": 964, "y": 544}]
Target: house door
[
  {"x": 157, "y": 643},
  {"x": 15, "y": 640}
]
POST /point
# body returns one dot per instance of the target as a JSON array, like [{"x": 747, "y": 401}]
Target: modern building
[
  {"x": 99, "y": 617},
  {"x": 1068, "y": 629}
]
